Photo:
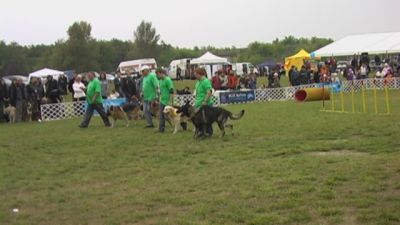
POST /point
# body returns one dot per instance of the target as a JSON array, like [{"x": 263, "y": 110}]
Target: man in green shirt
[
  {"x": 150, "y": 93},
  {"x": 94, "y": 101},
  {"x": 203, "y": 90},
  {"x": 167, "y": 95}
]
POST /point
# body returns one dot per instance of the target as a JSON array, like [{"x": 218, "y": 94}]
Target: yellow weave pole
[
  {"x": 363, "y": 97},
  {"x": 342, "y": 99},
  {"x": 387, "y": 98},
  {"x": 353, "y": 107},
  {"x": 375, "y": 98},
  {"x": 332, "y": 99}
]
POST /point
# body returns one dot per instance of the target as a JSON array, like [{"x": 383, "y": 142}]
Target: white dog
[
  {"x": 11, "y": 112},
  {"x": 175, "y": 118}
]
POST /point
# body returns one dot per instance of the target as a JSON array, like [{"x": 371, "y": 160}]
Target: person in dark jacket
[
  {"x": 63, "y": 84},
  {"x": 52, "y": 91},
  {"x": 71, "y": 84},
  {"x": 18, "y": 99},
  {"x": 303, "y": 76},
  {"x": 128, "y": 87},
  {"x": 35, "y": 93},
  {"x": 3, "y": 99},
  {"x": 295, "y": 77},
  {"x": 117, "y": 83}
]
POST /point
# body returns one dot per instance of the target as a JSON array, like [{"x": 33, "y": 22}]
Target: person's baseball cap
[{"x": 145, "y": 67}]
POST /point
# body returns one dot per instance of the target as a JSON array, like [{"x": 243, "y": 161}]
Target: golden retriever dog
[
  {"x": 174, "y": 118},
  {"x": 11, "y": 112},
  {"x": 124, "y": 112}
]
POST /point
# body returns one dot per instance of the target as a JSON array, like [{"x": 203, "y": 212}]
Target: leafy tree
[
  {"x": 146, "y": 41},
  {"x": 81, "y": 51}
]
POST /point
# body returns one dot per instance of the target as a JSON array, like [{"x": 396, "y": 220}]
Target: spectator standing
[
  {"x": 52, "y": 91},
  {"x": 303, "y": 76},
  {"x": 354, "y": 62},
  {"x": 35, "y": 93},
  {"x": 178, "y": 73},
  {"x": 70, "y": 85},
  {"x": 150, "y": 93},
  {"x": 378, "y": 61},
  {"x": 18, "y": 97},
  {"x": 166, "y": 98},
  {"x": 295, "y": 77},
  {"x": 95, "y": 102},
  {"x": 224, "y": 81},
  {"x": 63, "y": 84},
  {"x": 252, "y": 79},
  {"x": 104, "y": 85},
  {"x": 3, "y": 99},
  {"x": 233, "y": 81},
  {"x": 79, "y": 89},
  {"x": 117, "y": 83},
  {"x": 216, "y": 81},
  {"x": 290, "y": 73},
  {"x": 364, "y": 71}
]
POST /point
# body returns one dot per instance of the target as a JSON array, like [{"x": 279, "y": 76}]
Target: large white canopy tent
[
  {"x": 45, "y": 72},
  {"x": 210, "y": 62},
  {"x": 374, "y": 43}
]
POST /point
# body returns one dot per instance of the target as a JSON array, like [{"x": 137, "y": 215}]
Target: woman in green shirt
[{"x": 203, "y": 90}]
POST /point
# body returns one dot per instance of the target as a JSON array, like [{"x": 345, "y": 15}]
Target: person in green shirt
[
  {"x": 167, "y": 96},
  {"x": 94, "y": 101},
  {"x": 203, "y": 90},
  {"x": 150, "y": 93}
]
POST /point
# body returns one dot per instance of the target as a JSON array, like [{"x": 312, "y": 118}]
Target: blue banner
[
  {"x": 230, "y": 97},
  {"x": 109, "y": 102}
]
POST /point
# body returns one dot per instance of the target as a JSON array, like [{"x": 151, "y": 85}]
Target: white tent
[
  {"x": 374, "y": 43},
  {"x": 43, "y": 73},
  {"x": 209, "y": 58}
]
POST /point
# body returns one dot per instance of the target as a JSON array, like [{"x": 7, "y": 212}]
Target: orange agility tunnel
[{"x": 312, "y": 94}]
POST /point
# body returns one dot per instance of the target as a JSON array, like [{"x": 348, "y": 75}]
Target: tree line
[{"x": 81, "y": 52}]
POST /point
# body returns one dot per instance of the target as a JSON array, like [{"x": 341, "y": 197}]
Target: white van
[
  {"x": 242, "y": 67},
  {"x": 133, "y": 66},
  {"x": 183, "y": 64}
]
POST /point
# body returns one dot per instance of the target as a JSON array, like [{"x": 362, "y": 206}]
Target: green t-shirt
[
  {"x": 150, "y": 84},
  {"x": 93, "y": 87},
  {"x": 202, "y": 88},
  {"x": 166, "y": 86}
]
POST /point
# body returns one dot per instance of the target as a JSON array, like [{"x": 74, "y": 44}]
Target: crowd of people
[{"x": 27, "y": 98}]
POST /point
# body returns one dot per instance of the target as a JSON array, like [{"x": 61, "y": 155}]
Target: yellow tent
[{"x": 296, "y": 60}]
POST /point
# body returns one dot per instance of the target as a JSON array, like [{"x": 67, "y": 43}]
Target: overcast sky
[{"x": 189, "y": 23}]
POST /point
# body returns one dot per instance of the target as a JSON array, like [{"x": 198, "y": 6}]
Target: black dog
[{"x": 206, "y": 116}]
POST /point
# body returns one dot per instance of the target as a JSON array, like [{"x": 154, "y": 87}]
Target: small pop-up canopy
[
  {"x": 43, "y": 73},
  {"x": 209, "y": 58},
  {"x": 296, "y": 60}
]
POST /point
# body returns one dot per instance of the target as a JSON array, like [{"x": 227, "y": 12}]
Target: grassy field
[{"x": 287, "y": 163}]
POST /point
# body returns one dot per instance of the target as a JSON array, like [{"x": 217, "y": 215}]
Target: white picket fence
[{"x": 69, "y": 110}]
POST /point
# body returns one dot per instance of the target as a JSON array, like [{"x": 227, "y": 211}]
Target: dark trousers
[
  {"x": 161, "y": 126},
  {"x": 2, "y": 118},
  {"x": 89, "y": 113}
]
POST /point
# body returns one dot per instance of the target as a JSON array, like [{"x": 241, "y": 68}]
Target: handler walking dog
[{"x": 95, "y": 102}]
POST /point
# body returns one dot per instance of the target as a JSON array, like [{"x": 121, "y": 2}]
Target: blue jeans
[{"x": 147, "y": 113}]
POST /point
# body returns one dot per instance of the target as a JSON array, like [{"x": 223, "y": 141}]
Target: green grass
[{"x": 287, "y": 163}]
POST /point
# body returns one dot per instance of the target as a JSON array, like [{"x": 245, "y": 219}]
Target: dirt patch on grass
[{"x": 338, "y": 153}]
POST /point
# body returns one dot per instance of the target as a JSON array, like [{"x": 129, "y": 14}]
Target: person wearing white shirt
[{"x": 79, "y": 89}]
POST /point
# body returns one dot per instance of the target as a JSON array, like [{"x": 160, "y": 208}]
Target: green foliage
[{"x": 81, "y": 52}]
